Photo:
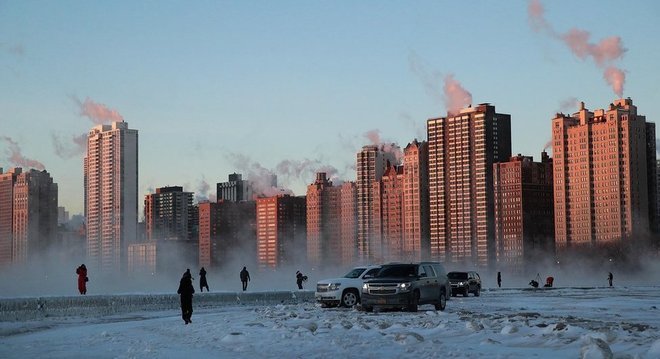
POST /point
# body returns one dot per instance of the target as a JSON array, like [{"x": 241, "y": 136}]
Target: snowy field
[{"x": 615, "y": 322}]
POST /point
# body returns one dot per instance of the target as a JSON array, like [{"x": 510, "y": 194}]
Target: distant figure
[
  {"x": 300, "y": 278},
  {"x": 245, "y": 278},
  {"x": 534, "y": 283},
  {"x": 610, "y": 278},
  {"x": 499, "y": 279},
  {"x": 202, "y": 280},
  {"x": 548, "y": 282},
  {"x": 186, "y": 291},
  {"x": 82, "y": 279}
]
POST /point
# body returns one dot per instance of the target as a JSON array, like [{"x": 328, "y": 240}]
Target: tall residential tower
[
  {"x": 111, "y": 196},
  {"x": 462, "y": 150}
]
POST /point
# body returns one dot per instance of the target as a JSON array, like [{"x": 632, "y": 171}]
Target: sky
[
  {"x": 583, "y": 322},
  {"x": 294, "y": 87}
]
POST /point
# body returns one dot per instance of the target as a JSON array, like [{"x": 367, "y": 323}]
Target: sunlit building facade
[
  {"x": 524, "y": 220},
  {"x": 601, "y": 176},
  {"x": 111, "y": 195},
  {"x": 462, "y": 150}
]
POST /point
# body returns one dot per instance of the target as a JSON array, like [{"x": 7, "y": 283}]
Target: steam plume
[
  {"x": 616, "y": 78},
  {"x": 429, "y": 80},
  {"x": 547, "y": 145},
  {"x": 203, "y": 194},
  {"x": 456, "y": 97},
  {"x": 536, "y": 13},
  {"x": 97, "y": 112},
  {"x": 77, "y": 146},
  {"x": 388, "y": 147},
  {"x": 17, "y": 158},
  {"x": 568, "y": 104},
  {"x": 603, "y": 53}
]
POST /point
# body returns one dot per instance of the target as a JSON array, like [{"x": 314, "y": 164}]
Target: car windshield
[
  {"x": 457, "y": 275},
  {"x": 397, "y": 271},
  {"x": 354, "y": 273}
]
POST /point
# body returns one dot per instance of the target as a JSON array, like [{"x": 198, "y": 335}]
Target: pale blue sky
[{"x": 204, "y": 82}]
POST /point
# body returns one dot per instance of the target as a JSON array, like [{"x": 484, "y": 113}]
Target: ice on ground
[{"x": 556, "y": 324}]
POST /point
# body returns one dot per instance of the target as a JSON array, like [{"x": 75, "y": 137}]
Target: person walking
[
  {"x": 499, "y": 280},
  {"x": 245, "y": 278},
  {"x": 300, "y": 278},
  {"x": 610, "y": 278},
  {"x": 186, "y": 291},
  {"x": 82, "y": 279},
  {"x": 202, "y": 280}
]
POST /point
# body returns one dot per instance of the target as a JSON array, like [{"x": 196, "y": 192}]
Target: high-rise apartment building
[
  {"x": 236, "y": 189},
  {"x": 7, "y": 181},
  {"x": 348, "y": 223},
  {"x": 601, "y": 188},
  {"x": 111, "y": 197},
  {"x": 387, "y": 213},
  {"x": 227, "y": 228},
  {"x": 281, "y": 232},
  {"x": 462, "y": 151},
  {"x": 416, "y": 237},
  {"x": 323, "y": 222},
  {"x": 28, "y": 214},
  {"x": 524, "y": 221},
  {"x": 371, "y": 165},
  {"x": 168, "y": 214}
]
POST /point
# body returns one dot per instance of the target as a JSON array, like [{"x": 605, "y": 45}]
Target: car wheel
[
  {"x": 442, "y": 303},
  {"x": 478, "y": 292},
  {"x": 412, "y": 307},
  {"x": 349, "y": 298}
]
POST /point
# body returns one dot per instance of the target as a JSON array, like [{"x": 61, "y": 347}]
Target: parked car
[
  {"x": 465, "y": 283},
  {"x": 344, "y": 291},
  {"x": 405, "y": 286}
]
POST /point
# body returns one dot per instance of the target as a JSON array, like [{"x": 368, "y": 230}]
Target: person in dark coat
[
  {"x": 610, "y": 278},
  {"x": 300, "y": 278},
  {"x": 202, "y": 280},
  {"x": 245, "y": 278},
  {"x": 186, "y": 291},
  {"x": 499, "y": 279},
  {"x": 82, "y": 279}
]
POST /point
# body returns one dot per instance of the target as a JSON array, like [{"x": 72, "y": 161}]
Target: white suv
[{"x": 344, "y": 291}]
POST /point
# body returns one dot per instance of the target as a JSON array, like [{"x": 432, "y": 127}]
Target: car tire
[
  {"x": 442, "y": 302},
  {"x": 349, "y": 298},
  {"x": 478, "y": 292},
  {"x": 412, "y": 307}
]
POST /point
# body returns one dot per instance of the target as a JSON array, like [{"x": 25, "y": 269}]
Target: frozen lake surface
[{"x": 601, "y": 322}]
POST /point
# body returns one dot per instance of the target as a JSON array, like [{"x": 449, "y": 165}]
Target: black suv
[
  {"x": 405, "y": 286},
  {"x": 465, "y": 283}
]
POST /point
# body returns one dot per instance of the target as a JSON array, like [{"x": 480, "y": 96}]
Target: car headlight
[
  {"x": 334, "y": 286},
  {"x": 461, "y": 283},
  {"x": 404, "y": 286},
  {"x": 365, "y": 287}
]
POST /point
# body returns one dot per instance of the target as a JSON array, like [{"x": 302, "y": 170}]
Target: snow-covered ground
[{"x": 615, "y": 322}]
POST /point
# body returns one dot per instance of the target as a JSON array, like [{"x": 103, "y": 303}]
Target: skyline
[{"x": 335, "y": 76}]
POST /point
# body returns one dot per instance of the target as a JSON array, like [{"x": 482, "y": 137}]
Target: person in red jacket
[{"x": 82, "y": 279}]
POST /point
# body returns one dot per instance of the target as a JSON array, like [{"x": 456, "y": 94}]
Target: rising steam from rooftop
[
  {"x": 456, "y": 97},
  {"x": 97, "y": 112},
  {"x": 603, "y": 53},
  {"x": 68, "y": 149},
  {"x": 16, "y": 157},
  {"x": 386, "y": 146}
]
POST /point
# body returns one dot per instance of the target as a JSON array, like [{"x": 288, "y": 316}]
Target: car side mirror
[{"x": 367, "y": 276}]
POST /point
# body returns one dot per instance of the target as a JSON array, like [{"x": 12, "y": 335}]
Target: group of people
[
  {"x": 186, "y": 289},
  {"x": 549, "y": 281}
]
